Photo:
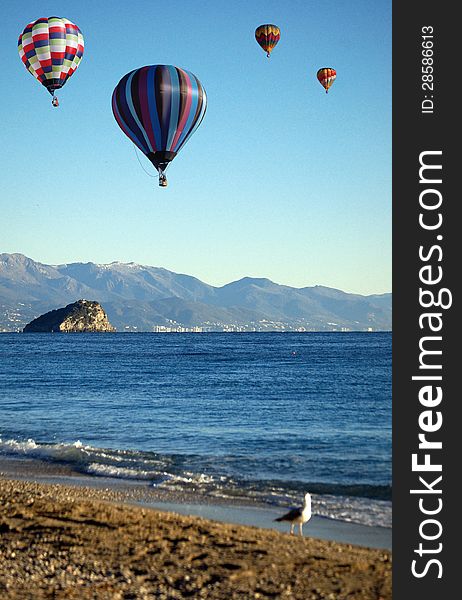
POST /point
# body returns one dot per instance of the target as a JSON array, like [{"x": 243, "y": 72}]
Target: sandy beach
[{"x": 62, "y": 541}]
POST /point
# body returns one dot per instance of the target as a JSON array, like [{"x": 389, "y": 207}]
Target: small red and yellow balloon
[
  {"x": 326, "y": 77},
  {"x": 267, "y": 36}
]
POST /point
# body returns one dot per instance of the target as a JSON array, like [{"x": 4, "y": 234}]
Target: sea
[{"x": 259, "y": 417}]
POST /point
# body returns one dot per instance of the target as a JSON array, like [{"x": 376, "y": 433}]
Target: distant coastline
[
  {"x": 197, "y": 330},
  {"x": 139, "y": 298}
]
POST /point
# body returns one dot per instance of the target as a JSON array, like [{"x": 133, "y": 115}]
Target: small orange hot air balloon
[
  {"x": 326, "y": 77},
  {"x": 267, "y": 36}
]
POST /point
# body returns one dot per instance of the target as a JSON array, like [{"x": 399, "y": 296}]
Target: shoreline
[
  {"x": 61, "y": 541},
  {"x": 239, "y": 511}
]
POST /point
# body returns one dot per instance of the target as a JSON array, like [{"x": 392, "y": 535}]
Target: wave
[
  {"x": 361, "y": 490},
  {"x": 124, "y": 472},
  {"x": 362, "y": 503}
]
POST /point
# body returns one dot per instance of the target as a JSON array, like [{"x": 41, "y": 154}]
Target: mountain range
[{"x": 143, "y": 298}]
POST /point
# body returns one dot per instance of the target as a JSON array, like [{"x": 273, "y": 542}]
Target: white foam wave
[
  {"x": 120, "y": 472},
  {"x": 131, "y": 464},
  {"x": 18, "y": 446},
  {"x": 198, "y": 478},
  {"x": 354, "y": 510}
]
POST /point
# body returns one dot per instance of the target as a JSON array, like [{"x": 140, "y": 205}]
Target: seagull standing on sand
[{"x": 298, "y": 515}]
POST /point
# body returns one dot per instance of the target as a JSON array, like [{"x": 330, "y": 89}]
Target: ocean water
[{"x": 257, "y": 416}]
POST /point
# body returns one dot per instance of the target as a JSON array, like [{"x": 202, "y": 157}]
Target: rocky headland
[{"x": 83, "y": 316}]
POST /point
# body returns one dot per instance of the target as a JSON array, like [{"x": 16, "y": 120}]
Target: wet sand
[{"x": 59, "y": 541}]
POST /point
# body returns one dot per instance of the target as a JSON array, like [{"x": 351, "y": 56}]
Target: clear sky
[{"x": 279, "y": 181}]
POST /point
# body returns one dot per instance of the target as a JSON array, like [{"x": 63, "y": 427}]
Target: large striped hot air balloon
[
  {"x": 326, "y": 77},
  {"x": 51, "y": 50},
  {"x": 159, "y": 107},
  {"x": 267, "y": 36}
]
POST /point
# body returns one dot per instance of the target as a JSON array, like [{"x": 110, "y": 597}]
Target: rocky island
[{"x": 83, "y": 316}]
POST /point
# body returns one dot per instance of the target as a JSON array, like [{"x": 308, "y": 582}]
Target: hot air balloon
[
  {"x": 51, "y": 49},
  {"x": 159, "y": 107},
  {"x": 267, "y": 36},
  {"x": 326, "y": 77}
]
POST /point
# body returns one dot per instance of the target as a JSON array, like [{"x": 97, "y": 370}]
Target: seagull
[{"x": 298, "y": 515}]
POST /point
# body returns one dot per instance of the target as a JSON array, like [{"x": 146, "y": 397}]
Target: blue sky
[{"x": 279, "y": 181}]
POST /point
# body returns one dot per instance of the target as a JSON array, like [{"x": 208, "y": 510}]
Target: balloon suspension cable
[{"x": 141, "y": 164}]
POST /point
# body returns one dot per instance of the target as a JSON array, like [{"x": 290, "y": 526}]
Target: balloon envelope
[
  {"x": 267, "y": 36},
  {"x": 326, "y": 77},
  {"x": 51, "y": 49},
  {"x": 159, "y": 107}
]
